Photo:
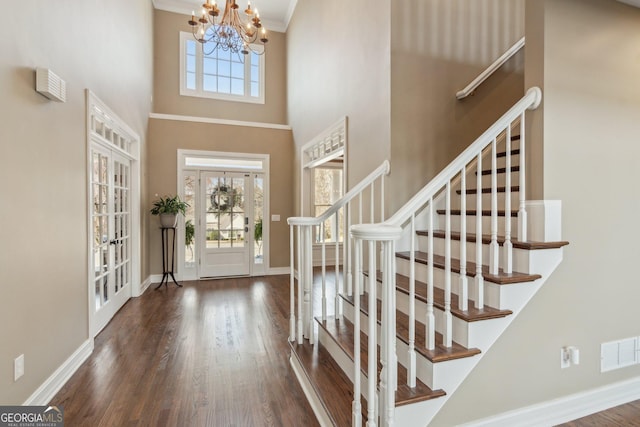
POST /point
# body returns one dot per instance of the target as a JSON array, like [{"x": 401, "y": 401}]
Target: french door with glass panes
[
  {"x": 111, "y": 234},
  {"x": 227, "y": 223}
]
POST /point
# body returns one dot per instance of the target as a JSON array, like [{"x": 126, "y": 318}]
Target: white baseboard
[
  {"x": 53, "y": 384},
  {"x": 155, "y": 278},
  {"x": 145, "y": 285},
  {"x": 312, "y": 398},
  {"x": 275, "y": 271},
  {"x": 566, "y": 408}
]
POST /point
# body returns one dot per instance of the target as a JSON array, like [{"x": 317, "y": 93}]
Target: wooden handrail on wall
[{"x": 471, "y": 87}]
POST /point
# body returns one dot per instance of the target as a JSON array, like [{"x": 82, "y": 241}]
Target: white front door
[
  {"x": 226, "y": 224},
  {"x": 110, "y": 234}
]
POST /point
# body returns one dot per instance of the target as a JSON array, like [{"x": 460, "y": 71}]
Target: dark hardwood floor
[
  {"x": 213, "y": 353},
  {"x": 621, "y": 416}
]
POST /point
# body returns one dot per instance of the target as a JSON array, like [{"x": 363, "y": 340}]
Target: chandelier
[{"x": 231, "y": 32}]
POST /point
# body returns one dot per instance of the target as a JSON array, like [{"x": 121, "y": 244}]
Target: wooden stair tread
[
  {"x": 486, "y": 239},
  {"x": 473, "y": 212},
  {"x": 500, "y": 170},
  {"x": 501, "y": 278},
  {"x": 439, "y": 354},
  {"x": 472, "y": 314},
  {"x": 327, "y": 379},
  {"x": 514, "y": 152},
  {"x": 502, "y": 189},
  {"x": 342, "y": 332}
]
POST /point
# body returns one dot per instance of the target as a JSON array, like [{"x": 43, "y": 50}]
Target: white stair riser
[
  {"x": 471, "y": 224},
  {"x": 343, "y": 360},
  {"x": 492, "y": 291},
  {"x": 501, "y": 178},
  {"x": 486, "y": 200},
  {"x": 520, "y": 256},
  {"x": 434, "y": 375}
]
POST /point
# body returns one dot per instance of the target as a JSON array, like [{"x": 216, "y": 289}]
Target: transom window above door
[{"x": 220, "y": 74}]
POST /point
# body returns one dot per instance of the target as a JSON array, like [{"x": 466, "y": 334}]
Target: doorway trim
[
  {"x": 183, "y": 170},
  {"x": 97, "y": 109}
]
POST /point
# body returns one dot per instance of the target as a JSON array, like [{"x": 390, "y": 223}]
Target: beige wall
[
  {"x": 437, "y": 48},
  {"x": 167, "y": 97},
  {"x": 337, "y": 68},
  {"x": 591, "y": 152},
  {"x": 167, "y": 136},
  {"x": 103, "y": 46}
]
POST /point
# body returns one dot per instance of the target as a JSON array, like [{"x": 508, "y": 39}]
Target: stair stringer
[
  {"x": 517, "y": 297},
  {"x": 312, "y": 397}
]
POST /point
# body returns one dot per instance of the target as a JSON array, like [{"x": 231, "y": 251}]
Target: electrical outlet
[
  {"x": 18, "y": 367},
  {"x": 569, "y": 356},
  {"x": 565, "y": 358}
]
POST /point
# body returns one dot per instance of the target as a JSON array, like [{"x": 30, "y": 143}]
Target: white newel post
[
  {"x": 356, "y": 407},
  {"x": 301, "y": 279},
  {"x": 292, "y": 294},
  {"x": 308, "y": 286},
  {"x": 386, "y": 235}
]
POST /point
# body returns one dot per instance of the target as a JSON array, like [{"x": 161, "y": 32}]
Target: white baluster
[
  {"x": 479, "y": 279},
  {"x": 448, "y": 320},
  {"x": 372, "y": 371},
  {"x": 494, "y": 250},
  {"x": 463, "y": 286},
  {"x": 356, "y": 407},
  {"x": 324, "y": 273},
  {"x": 336, "y": 223},
  {"x": 382, "y": 198},
  {"x": 522, "y": 212},
  {"x": 347, "y": 242},
  {"x": 308, "y": 231},
  {"x": 372, "y": 203},
  {"x": 392, "y": 360},
  {"x": 301, "y": 279},
  {"x": 508, "y": 246},
  {"x": 292, "y": 292},
  {"x": 430, "y": 339},
  {"x": 411, "y": 365}
]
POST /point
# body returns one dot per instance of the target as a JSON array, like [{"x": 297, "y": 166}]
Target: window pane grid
[{"x": 220, "y": 72}]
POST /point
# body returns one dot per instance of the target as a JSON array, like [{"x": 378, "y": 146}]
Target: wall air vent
[{"x": 50, "y": 85}]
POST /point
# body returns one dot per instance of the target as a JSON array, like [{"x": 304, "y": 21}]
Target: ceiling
[
  {"x": 635, "y": 3},
  {"x": 275, "y": 14}
]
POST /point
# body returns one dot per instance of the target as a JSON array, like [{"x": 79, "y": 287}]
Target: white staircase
[{"x": 437, "y": 282}]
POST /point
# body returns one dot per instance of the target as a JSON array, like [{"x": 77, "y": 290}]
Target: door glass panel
[
  {"x": 258, "y": 203},
  {"x": 237, "y": 212},
  {"x": 225, "y": 216},
  {"x": 121, "y": 223},
  {"x": 190, "y": 220}
]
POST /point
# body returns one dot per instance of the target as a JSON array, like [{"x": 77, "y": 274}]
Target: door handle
[{"x": 113, "y": 242}]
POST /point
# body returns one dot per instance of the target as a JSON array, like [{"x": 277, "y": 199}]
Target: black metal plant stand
[{"x": 166, "y": 272}]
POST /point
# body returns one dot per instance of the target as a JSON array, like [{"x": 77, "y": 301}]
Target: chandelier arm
[{"x": 231, "y": 33}]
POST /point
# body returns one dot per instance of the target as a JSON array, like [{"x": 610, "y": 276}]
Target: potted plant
[{"x": 168, "y": 208}]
